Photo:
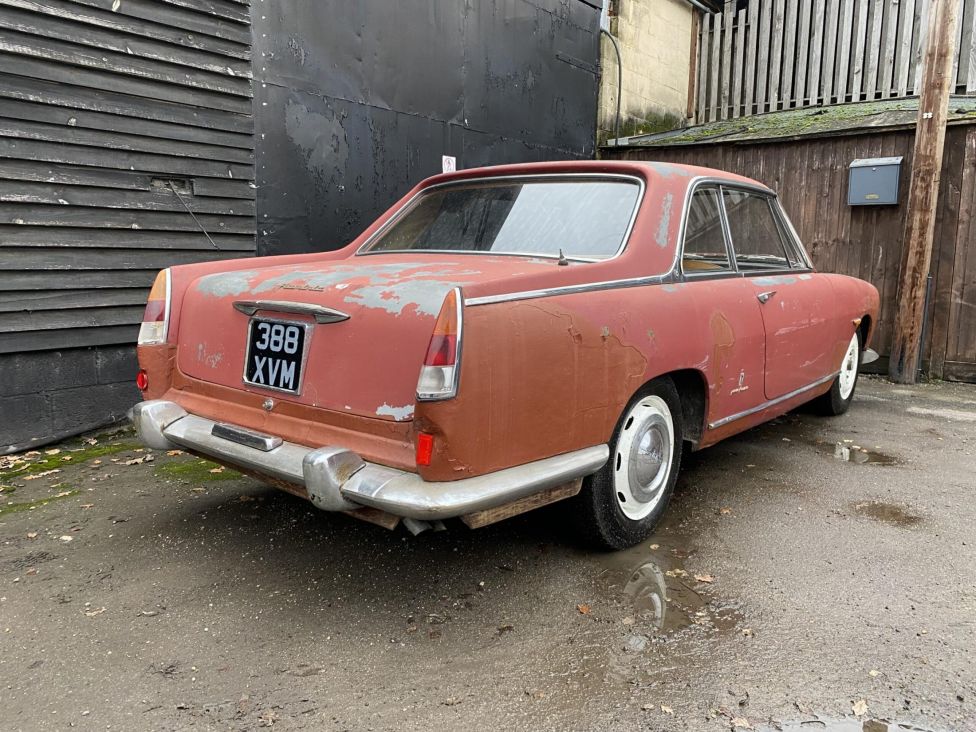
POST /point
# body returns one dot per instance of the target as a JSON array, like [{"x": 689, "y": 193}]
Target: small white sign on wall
[{"x": 448, "y": 163}]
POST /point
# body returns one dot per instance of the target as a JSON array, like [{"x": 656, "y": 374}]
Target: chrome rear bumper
[{"x": 337, "y": 479}]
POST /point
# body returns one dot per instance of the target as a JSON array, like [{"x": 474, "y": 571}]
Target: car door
[
  {"x": 726, "y": 306},
  {"x": 794, "y": 302}
]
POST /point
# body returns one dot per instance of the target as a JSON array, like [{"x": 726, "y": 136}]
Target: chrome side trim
[
  {"x": 567, "y": 290},
  {"x": 320, "y": 313},
  {"x": 405, "y": 208},
  {"x": 772, "y": 402},
  {"x": 244, "y": 436}
]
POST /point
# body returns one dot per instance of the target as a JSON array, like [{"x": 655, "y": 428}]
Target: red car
[{"x": 503, "y": 338}]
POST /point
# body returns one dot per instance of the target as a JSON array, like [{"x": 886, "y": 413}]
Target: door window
[
  {"x": 704, "y": 249},
  {"x": 756, "y": 238}
]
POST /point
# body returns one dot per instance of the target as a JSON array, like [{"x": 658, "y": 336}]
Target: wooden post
[{"x": 923, "y": 193}]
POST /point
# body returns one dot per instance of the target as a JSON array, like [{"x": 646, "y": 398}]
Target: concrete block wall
[{"x": 655, "y": 38}]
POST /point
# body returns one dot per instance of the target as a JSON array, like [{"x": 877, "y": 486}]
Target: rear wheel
[
  {"x": 620, "y": 505},
  {"x": 838, "y": 400}
]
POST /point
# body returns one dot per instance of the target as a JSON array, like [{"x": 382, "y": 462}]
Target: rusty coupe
[{"x": 503, "y": 338}]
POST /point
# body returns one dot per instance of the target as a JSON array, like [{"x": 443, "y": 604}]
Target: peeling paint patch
[
  {"x": 667, "y": 170},
  {"x": 766, "y": 281},
  {"x": 662, "y": 229},
  {"x": 400, "y": 414},
  {"x": 226, "y": 284}
]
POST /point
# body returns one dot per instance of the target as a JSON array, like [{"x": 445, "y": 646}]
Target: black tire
[
  {"x": 834, "y": 403},
  {"x": 600, "y": 521}
]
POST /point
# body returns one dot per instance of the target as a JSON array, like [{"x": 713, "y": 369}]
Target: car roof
[{"x": 648, "y": 170}]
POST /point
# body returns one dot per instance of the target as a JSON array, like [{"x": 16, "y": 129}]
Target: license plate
[{"x": 275, "y": 354}]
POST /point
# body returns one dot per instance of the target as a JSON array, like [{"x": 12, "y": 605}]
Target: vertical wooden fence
[{"x": 767, "y": 55}]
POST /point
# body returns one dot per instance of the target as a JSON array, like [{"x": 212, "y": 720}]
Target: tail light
[
  {"x": 442, "y": 365},
  {"x": 156, "y": 320}
]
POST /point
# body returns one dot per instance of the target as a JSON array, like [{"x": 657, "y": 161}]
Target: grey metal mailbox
[{"x": 874, "y": 181}]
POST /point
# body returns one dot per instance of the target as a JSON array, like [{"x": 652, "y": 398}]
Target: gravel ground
[{"x": 805, "y": 568}]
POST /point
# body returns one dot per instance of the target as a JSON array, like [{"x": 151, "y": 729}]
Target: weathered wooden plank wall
[
  {"x": 811, "y": 175},
  {"x": 816, "y": 52},
  {"x": 105, "y": 109}
]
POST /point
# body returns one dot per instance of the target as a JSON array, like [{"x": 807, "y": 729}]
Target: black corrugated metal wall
[
  {"x": 106, "y": 107},
  {"x": 114, "y": 113}
]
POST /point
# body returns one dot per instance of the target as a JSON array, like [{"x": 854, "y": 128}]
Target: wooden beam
[
  {"x": 693, "y": 65},
  {"x": 550, "y": 495},
  {"x": 923, "y": 193}
]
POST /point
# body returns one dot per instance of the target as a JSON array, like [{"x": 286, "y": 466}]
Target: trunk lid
[{"x": 367, "y": 364}]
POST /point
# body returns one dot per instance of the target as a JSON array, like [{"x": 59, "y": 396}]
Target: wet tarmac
[{"x": 783, "y": 588}]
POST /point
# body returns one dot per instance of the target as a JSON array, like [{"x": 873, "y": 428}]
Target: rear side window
[
  {"x": 704, "y": 245},
  {"x": 757, "y": 240}
]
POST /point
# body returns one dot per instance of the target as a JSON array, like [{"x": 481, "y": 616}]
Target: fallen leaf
[
  {"x": 42, "y": 474},
  {"x": 654, "y": 547},
  {"x": 174, "y": 453},
  {"x": 147, "y": 458},
  {"x": 706, "y": 578},
  {"x": 583, "y": 609},
  {"x": 67, "y": 458},
  {"x": 676, "y": 573},
  {"x": 31, "y": 571},
  {"x": 198, "y": 489},
  {"x": 741, "y": 723},
  {"x": 667, "y": 710},
  {"x": 96, "y": 462},
  {"x": 55, "y": 451},
  {"x": 217, "y": 470},
  {"x": 90, "y": 441},
  {"x": 62, "y": 494},
  {"x": 31, "y": 534},
  {"x": 860, "y": 708},
  {"x": 725, "y": 511},
  {"x": 87, "y": 505},
  {"x": 267, "y": 718},
  {"x": 93, "y": 613},
  {"x": 67, "y": 538}
]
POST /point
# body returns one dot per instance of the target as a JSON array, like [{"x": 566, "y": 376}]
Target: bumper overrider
[{"x": 337, "y": 479}]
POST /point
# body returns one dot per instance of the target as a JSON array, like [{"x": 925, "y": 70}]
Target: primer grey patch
[
  {"x": 426, "y": 296},
  {"x": 226, "y": 284},
  {"x": 400, "y": 414},
  {"x": 766, "y": 281},
  {"x": 667, "y": 170},
  {"x": 374, "y": 274},
  {"x": 662, "y": 230}
]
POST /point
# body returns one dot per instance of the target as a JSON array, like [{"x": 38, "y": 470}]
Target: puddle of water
[
  {"x": 890, "y": 513},
  {"x": 841, "y": 724},
  {"x": 662, "y": 596},
  {"x": 861, "y": 455}
]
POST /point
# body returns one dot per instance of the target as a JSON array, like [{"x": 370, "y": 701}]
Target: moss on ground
[
  {"x": 44, "y": 462},
  {"x": 28, "y": 505},
  {"x": 195, "y": 470}
]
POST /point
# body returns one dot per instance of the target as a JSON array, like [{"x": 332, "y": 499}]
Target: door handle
[{"x": 765, "y": 296}]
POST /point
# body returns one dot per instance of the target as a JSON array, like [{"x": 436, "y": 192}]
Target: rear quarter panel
[{"x": 547, "y": 376}]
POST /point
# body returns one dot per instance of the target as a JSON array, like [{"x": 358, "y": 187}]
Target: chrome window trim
[
  {"x": 308, "y": 327},
  {"x": 771, "y": 402},
  {"x": 400, "y": 212},
  {"x": 732, "y": 269},
  {"x": 568, "y": 290}
]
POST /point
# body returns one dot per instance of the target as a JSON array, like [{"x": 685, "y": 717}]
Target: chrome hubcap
[
  {"x": 848, "y": 369},
  {"x": 643, "y": 457}
]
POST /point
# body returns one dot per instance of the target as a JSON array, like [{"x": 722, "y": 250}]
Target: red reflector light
[
  {"x": 425, "y": 448},
  {"x": 142, "y": 380}
]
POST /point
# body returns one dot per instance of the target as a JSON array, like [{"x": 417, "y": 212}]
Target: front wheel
[
  {"x": 620, "y": 505},
  {"x": 838, "y": 400}
]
